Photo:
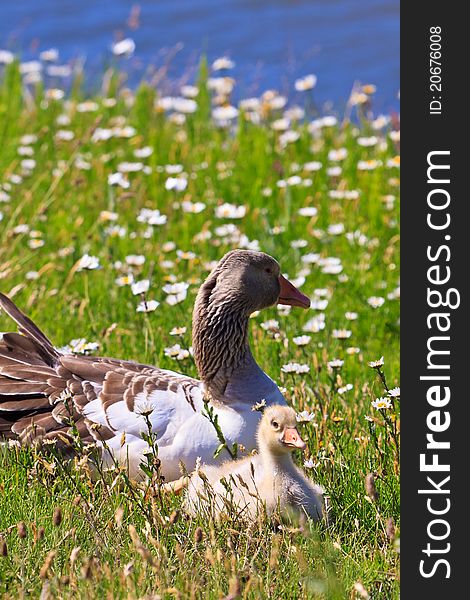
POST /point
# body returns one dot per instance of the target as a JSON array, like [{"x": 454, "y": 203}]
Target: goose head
[
  {"x": 249, "y": 281},
  {"x": 277, "y": 432},
  {"x": 243, "y": 282}
]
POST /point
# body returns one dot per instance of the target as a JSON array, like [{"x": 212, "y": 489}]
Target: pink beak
[
  {"x": 291, "y": 437},
  {"x": 290, "y": 295}
]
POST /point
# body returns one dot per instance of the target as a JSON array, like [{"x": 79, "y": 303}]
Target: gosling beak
[
  {"x": 290, "y": 295},
  {"x": 291, "y": 437}
]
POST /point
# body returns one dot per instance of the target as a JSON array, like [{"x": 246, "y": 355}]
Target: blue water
[{"x": 272, "y": 41}]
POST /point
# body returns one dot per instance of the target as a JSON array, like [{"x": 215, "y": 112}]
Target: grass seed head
[
  {"x": 198, "y": 535},
  {"x": 57, "y": 517},
  {"x": 44, "y": 572},
  {"x": 22, "y": 531},
  {"x": 371, "y": 490}
]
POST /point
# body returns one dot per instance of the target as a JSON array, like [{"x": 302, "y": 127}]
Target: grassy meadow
[{"x": 107, "y": 198}]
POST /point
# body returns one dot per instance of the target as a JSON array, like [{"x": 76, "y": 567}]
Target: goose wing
[{"x": 43, "y": 393}]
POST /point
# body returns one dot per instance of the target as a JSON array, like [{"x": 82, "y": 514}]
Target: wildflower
[
  {"x": 144, "y": 152},
  {"x": 259, "y": 406},
  {"x": 125, "y": 47},
  {"x": 271, "y": 325},
  {"x": 301, "y": 340},
  {"x": 368, "y": 165},
  {"x": 294, "y": 367},
  {"x": 124, "y": 280},
  {"x": 375, "y": 301},
  {"x": 130, "y": 167},
  {"x": 118, "y": 179},
  {"x": 315, "y": 325},
  {"x": 310, "y": 258},
  {"x": 87, "y": 106},
  {"x": 310, "y": 463},
  {"x": 308, "y": 211},
  {"x": 178, "y": 331},
  {"x": 336, "y": 229},
  {"x": 304, "y": 416},
  {"x": 189, "y": 91},
  {"x": 367, "y": 142},
  {"x": 375, "y": 364},
  {"x": 88, "y": 263},
  {"x": 29, "y": 67},
  {"x": 288, "y": 137},
  {"x": 106, "y": 215},
  {"x": 147, "y": 306},
  {"x": 192, "y": 207},
  {"x": 188, "y": 255},
  {"x": 79, "y": 346},
  {"x": 351, "y": 316},
  {"x": 381, "y": 403},
  {"x": 334, "y": 171},
  {"x": 353, "y": 350},
  {"x": 346, "y": 388},
  {"x": 151, "y": 217},
  {"x": 184, "y": 105},
  {"x": 306, "y": 83},
  {"x": 393, "y": 162},
  {"x": 223, "y": 113},
  {"x": 178, "y": 184},
  {"x": 175, "y": 288},
  {"x": 336, "y": 363},
  {"x": 297, "y": 244},
  {"x": 223, "y": 63},
  {"x": 176, "y": 352},
  {"x": 6, "y": 57},
  {"x": 50, "y": 55},
  {"x": 59, "y": 71},
  {"x": 28, "y": 164},
  {"x": 369, "y": 88},
  {"x": 230, "y": 211},
  {"x": 394, "y": 392},
  {"x": 341, "y": 334},
  {"x": 280, "y": 124},
  {"x": 344, "y": 194},
  {"x": 140, "y": 287},
  {"x": 357, "y": 98},
  {"x": 176, "y": 292},
  {"x": 36, "y": 243},
  {"x": 339, "y": 154},
  {"x": 312, "y": 166}
]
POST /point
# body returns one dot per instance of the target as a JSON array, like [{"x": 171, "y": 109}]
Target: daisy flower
[{"x": 381, "y": 403}]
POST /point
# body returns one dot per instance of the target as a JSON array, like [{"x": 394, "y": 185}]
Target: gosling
[{"x": 267, "y": 481}]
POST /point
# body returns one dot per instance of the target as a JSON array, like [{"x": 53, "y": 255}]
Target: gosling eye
[{"x": 275, "y": 424}]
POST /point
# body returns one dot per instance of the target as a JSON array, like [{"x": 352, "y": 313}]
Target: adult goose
[{"x": 111, "y": 400}]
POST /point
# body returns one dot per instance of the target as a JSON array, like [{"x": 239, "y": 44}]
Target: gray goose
[{"x": 109, "y": 400}]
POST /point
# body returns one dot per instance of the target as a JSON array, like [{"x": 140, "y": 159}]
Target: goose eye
[
  {"x": 268, "y": 270},
  {"x": 275, "y": 424}
]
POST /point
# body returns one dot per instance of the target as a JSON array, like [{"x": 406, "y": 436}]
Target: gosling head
[{"x": 277, "y": 431}]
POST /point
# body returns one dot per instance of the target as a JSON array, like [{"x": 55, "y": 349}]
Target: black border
[{"x": 422, "y": 133}]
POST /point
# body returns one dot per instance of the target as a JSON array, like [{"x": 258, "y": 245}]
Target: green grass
[{"x": 64, "y": 203}]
